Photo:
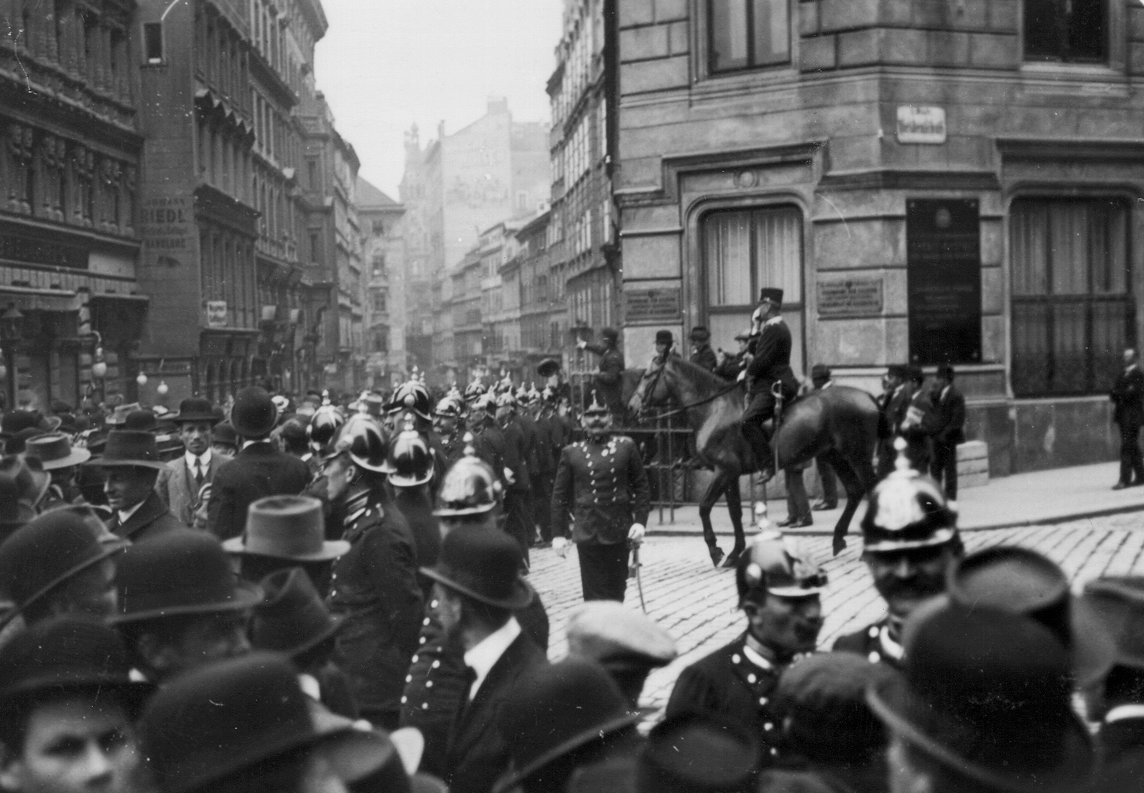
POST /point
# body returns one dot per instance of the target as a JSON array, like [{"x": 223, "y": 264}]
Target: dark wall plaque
[
  {"x": 943, "y": 251},
  {"x": 652, "y": 305},
  {"x": 854, "y": 297}
]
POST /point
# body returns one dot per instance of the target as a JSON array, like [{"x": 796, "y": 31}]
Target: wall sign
[
  {"x": 216, "y": 314},
  {"x": 943, "y": 251},
  {"x": 921, "y": 124},
  {"x": 652, "y": 305},
  {"x": 854, "y": 297}
]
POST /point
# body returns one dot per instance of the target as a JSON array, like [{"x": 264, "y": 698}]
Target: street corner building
[{"x": 927, "y": 182}]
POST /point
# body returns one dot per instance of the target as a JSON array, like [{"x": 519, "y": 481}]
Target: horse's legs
[
  {"x": 856, "y": 485},
  {"x": 710, "y": 496},
  {"x": 735, "y": 507}
]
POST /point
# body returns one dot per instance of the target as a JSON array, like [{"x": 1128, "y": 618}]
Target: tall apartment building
[
  {"x": 70, "y": 185},
  {"x": 584, "y": 254},
  {"x": 928, "y": 182},
  {"x": 385, "y": 308}
]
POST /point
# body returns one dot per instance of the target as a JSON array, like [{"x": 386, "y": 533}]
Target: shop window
[
  {"x": 747, "y": 34},
  {"x": 1069, "y": 31},
  {"x": 744, "y": 250},
  {"x": 1072, "y": 306}
]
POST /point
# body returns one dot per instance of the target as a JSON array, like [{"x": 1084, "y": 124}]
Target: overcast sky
[{"x": 385, "y": 64}]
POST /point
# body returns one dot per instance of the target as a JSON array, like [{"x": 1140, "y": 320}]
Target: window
[
  {"x": 1073, "y": 311},
  {"x": 1071, "y": 31},
  {"x": 153, "y": 42},
  {"x": 746, "y": 34}
]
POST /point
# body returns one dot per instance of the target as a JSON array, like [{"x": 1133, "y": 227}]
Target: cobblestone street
[{"x": 696, "y": 603}]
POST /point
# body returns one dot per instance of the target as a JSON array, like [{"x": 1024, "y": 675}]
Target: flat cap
[{"x": 618, "y": 637}]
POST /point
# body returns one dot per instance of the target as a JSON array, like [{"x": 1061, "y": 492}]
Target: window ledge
[{"x": 718, "y": 85}]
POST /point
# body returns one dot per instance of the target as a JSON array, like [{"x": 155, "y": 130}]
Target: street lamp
[{"x": 98, "y": 364}]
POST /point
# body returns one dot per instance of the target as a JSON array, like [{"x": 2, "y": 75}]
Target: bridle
[{"x": 657, "y": 374}]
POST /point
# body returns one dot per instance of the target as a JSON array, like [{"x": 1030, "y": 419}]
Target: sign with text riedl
[
  {"x": 216, "y": 314},
  {"x": 921, "y": 124}
]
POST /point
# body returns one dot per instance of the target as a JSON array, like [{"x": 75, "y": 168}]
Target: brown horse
[{"x": 840, "y": 424}]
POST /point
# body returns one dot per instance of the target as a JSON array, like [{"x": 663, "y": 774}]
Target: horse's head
[{"x": 652, "y": 387}]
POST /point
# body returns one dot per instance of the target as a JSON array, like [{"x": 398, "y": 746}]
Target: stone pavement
[{"x": 696, "y": 603}]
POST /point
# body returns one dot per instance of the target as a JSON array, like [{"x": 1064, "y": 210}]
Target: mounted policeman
[{"x": 768, "y": 364}]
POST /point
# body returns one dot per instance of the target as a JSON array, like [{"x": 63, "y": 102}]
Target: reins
[{"x": 686, "y": 407}]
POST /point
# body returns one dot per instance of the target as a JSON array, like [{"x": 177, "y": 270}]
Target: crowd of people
[{"x": 312, "y": 594}]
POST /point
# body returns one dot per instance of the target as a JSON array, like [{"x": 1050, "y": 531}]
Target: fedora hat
[
  {"x": 130, "y": 449},
  {"x": 482, "y": 563},
  {"x": 254, "y": 414},
  {"x": 195, "y": 409},
  {"x": 1011, "y": 578},
  {"x": 292, "y": 618},
  {"x": 54, "y": 450},
  {"x": 556, "y": 709},
  {"x": 287, "y": 527},
  {"x": 141, "y": 419},
  {"x": 224, "y": 434},
  {"x": 180, "y": 572},
  {"x": 988, "y": 694},
  {"x": 67, "y": 653},
  {"x": 220, "y": 720},
  {"x": 1118, "y": 602},
  {"x": 52, "y": 549},
  {"x": 697, "y": 753}
]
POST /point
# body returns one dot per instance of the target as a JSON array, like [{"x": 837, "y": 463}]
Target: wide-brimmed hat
[
  {"x": 700, "y": 333},
  {"x": 223, "y": 718},
  {"x": 195, "y": 409},
  {"x": 556, "y": 709},
  {"x": 254, "y": 414},
  {"x": 698, "y": 753},
  {"x": 482, "y": 563},
  {"x": 1118, "y": 603},
  {"x": 287, "y": 527},
  {"x": 179, "y": 572},
  {"x": 54, "y": 450},
  {"x": 988, "y": 694},
  {"x": 1020, "y": 580},
  {"x": 14, "y": 421},
  {"x": 292, "y": 618},
  {"x": 50, "y": 550},
  {"x": 68, "y": 653},
  {"x": 119, "y": 415},
  {"x": 130, "y": 449}
]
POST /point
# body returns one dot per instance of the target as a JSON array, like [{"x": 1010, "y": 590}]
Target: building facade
[
  {"x": 928, "y": 182},
  {"x": 541, "y": 306},
  {"x": 69, "y": 200},
  {"x": 385, "y": 304}
]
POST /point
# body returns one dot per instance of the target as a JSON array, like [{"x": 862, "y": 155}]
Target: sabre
[{"x": 634, "y": 572}]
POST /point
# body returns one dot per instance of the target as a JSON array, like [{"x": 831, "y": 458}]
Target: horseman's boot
[{"x": 760, "y": 445}]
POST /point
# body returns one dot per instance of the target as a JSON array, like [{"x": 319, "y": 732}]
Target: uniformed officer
[
  {"x": 701, "y": 352},
  {"x": 450, "y": 427},
  {"x": 519, "y": 461},
  {"x": 601, "y": 483},
  {"x": 910, "y": 541},
  {"x": 767, "y": 365},
  {"x": 609, "y": 380},
  {"x": 779, "y": 592}
]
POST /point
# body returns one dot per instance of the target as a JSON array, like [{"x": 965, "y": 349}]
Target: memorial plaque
[
  {"x": 854, "y": 297},
  {"x": 652, "y": 305},
  {"x": 943, "y": 251}
]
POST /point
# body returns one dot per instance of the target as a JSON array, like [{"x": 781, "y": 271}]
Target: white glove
[
  {"x": 742, "y": 376},
  {"x": 508, "y": 477},
  {"x": 581, "y": 343},
  {"x": 636, "y": 533},
  {"x": 560, "y": 545}
]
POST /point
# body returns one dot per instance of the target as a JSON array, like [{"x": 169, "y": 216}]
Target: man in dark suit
[
  {"x": 701, "y": 352},
  {"x": 257, "y": 471},
  {"x": 478, "y": 585},
  {"x": 609, "y": 380},
  {"x": 519, "y": 461},
  {"x": 131, "y": 464},
  {"x": 892, "y": 405},
  {"x": 183, "y": 478},
  {"x": 1128, "y": 412},
  {"x": 917, "y": 421},
  {"x": 779, "y": 593},
  {"x": 821, "y": 380},
  {"x": 768, "y": 364},
  {"x": 949, "y": 430}
]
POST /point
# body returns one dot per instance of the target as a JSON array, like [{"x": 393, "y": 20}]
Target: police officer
[
  {"x": 910, "y": 540},
  {"x": 779, "y": 593},
  {"x": 601, "y": 483},
  {"x": 767, "y": 365},
  {"x": 518, "y": 471},
  {"x": 701, "y": 353},
  {"x": 450, "y": 427},
  {"x": 609, "y": 379}
]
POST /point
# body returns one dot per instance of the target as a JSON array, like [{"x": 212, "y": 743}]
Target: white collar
[
  {"x": 483, "y": 657},
  {"x": 890, "y": 648},
  {"x": 306, "y": 457},
  {"x": 945, "y": 391},
  {"x": 1124, "y": 712},
  {"x": 125, "y": 514},
  {"x": 251, "y": 443},
  {"x": 773, "y": 321},
  {"x": 205, "y": 459},
  {"x": 310, "y": 687},
  {"x": 1129, "y": 368},
  {"x": 755, "y": 658}
]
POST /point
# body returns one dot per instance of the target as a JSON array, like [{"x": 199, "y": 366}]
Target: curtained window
[{"x": 1073, "y": 311}]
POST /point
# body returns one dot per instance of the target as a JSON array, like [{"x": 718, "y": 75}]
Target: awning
[{"x": 27, "y": 299}]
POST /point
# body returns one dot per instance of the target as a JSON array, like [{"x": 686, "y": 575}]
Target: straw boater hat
[{"x": 54, "y": 451}]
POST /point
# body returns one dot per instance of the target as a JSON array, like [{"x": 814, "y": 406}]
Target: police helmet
[
  {"x": 410, "y": 461},
  {"x": 325, "y": 423},
  {"x": 469, "y": 488},
  {"x": 448, "y": 407},
  {"x": 777, "y": 565},
  {"x": 907, "y": 510},
  {"x": 412, "y": 396},
  {"x": 363, "y": 439}
]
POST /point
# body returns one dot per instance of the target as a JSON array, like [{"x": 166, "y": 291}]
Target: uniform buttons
[
  {"x": 768, "y": 726},
  {"x": 872, "y": 632},
  {"x": 413, "y": 659},
  {"x": 874, "y": 658},
  {"x": 409, "y": 678},
  {"x": 422, "y": 640},
  {"x": 752, "y": 679},
  {"x": 424, "y": 706},
  {"x": 762, "y": 700},
  {"x": 774, "y": 752},
  {"x": 428, "y": 684},
  {"x": 736, "y": 658},
  {"x": 436, "y": 664},
  {"x": 404, "y": 700}
]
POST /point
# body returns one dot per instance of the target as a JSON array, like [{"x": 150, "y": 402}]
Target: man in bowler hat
[
  {"x": 1128, "y": 413},
  {"x": 257, "y": 471},
  {"x": 701, "y": 353},
  {"x": 68, "y": 707},
  {"x": 478, "y": 586},
  {"x": 768, "y": 367},
  {"x": 131, "y": 465},
  {"x": 182, "y": 480}
]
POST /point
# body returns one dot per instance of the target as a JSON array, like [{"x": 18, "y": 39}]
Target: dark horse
[{"x": 839, "y": 423}]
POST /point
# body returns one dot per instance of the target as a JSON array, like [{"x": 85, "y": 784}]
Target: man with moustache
[
  {"x": 910, "y": 540},
  {"x": 779, "y": 593}
]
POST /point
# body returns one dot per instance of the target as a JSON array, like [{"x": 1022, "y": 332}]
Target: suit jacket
[
  {"x": 609, "y": 380},
  {"x": 257, "y": 471},
  {"x": 1120, "y": 747},
  {"x": 516, "y": 455},
  {"x": 950, "y": 423},
  {"x": 176, "y": 485},
  {"x": 152, "y": 519},
  {"x": 604, "y": 486},
  {"x": 771, "y": 361},
  {"x": 704, "y": 356},
  {"x": 478, "y": 753},
  {"x": 1128, "y": 397}
]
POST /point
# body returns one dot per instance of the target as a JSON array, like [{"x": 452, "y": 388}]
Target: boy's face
[{"x": 76, "y": 744}]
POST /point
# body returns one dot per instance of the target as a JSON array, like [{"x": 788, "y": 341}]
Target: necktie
[{"x": 198, "y": 472}]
